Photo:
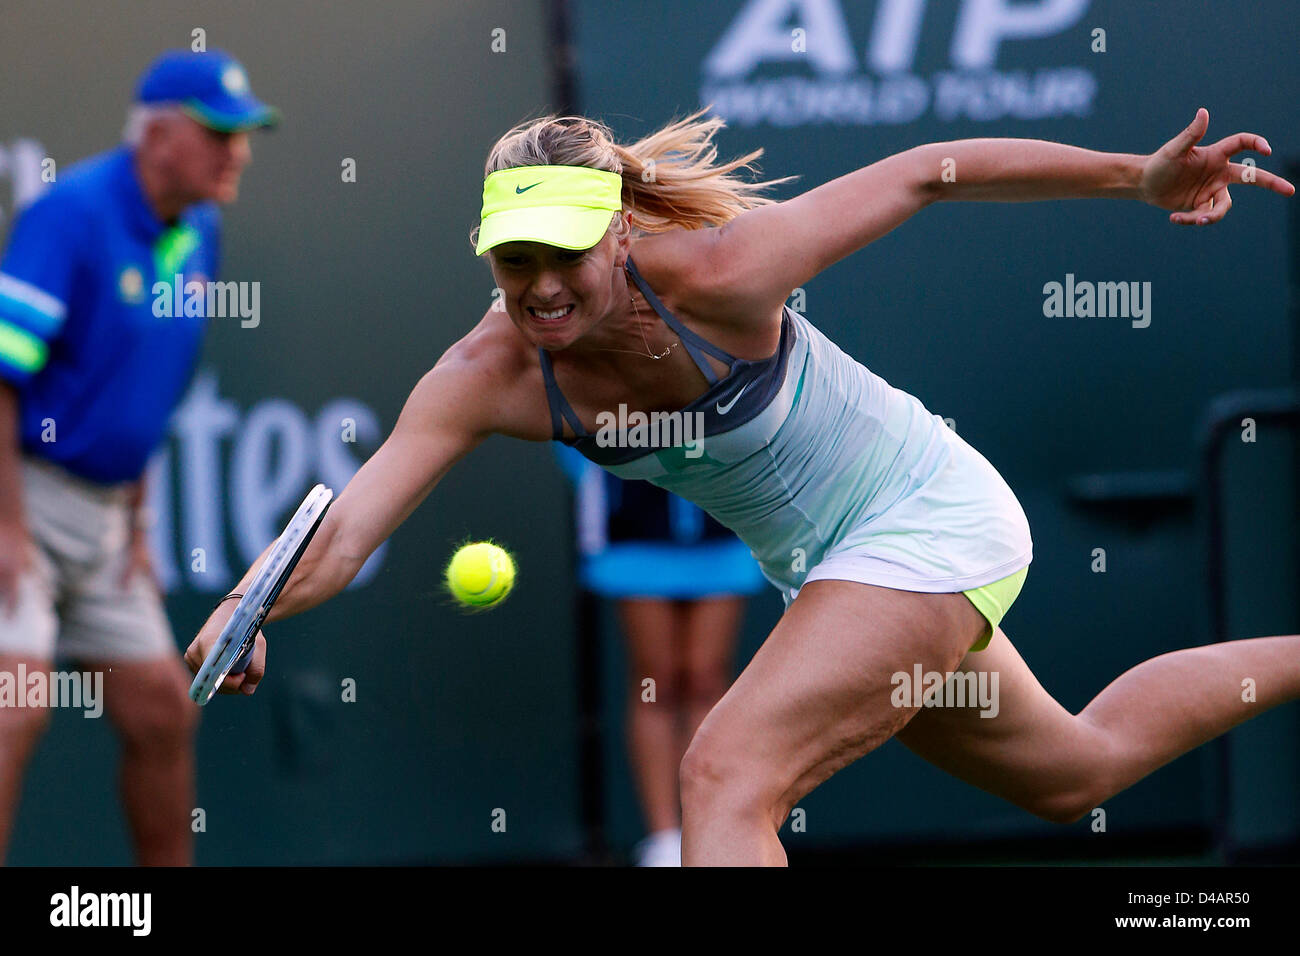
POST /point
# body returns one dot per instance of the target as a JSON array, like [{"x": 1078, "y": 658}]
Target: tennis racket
[{"x": 234, "y": 648}]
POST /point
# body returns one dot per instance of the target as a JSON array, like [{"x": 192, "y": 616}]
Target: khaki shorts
[{"x": 71, "y": 603}]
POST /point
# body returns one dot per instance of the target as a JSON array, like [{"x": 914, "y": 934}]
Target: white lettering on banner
[
  {"x": 895, "y": 35},
  {"x": 821, "y": 82},
  {"x": 984, "y": 24},
  {"x": 275, "y": 454},
  {"x": 760, "y": 34}
]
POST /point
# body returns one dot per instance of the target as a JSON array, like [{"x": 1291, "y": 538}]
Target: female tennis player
[{"x": 644, "y": 279}]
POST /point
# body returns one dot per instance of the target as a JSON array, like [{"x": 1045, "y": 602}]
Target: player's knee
[
  {"x": 1066, "y": 806},
  {"x": 698, "y": 773},
  {"x": 716, "y": 775}
]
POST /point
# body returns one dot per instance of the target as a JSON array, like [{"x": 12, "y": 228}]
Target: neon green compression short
[{"x": 994, "y": 600}]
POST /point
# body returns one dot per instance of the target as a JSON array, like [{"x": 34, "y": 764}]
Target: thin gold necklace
[{"x": 649, "y": 354}]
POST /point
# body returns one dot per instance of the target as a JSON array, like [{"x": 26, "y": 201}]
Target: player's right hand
[
  {"x": 197, "y": 652},
  {"x": 15, "y": 560}
]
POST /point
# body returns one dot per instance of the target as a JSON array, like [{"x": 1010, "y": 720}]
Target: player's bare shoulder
[
  {"x": 683, "y": 268},
  {"x": 497, "y": 379}
]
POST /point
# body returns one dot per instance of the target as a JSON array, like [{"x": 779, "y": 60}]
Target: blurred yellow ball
[{"x": 481, "y": 575}]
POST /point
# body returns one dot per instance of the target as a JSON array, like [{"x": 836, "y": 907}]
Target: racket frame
[{"x": 233, "y": 649}]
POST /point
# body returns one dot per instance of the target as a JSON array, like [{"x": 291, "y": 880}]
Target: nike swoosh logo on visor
[
  {"x": 735, "y": 398},
  {"x": 526, "y": 188}
]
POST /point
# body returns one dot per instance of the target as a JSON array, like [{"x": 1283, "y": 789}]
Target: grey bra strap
[
  {"x": 557, "y": 402},
  {"x": 688, "y": 337}
]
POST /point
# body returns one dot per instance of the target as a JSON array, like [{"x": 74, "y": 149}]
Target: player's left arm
[
  {"x": 1189, "y": 180},
  {"x": 752, "y": 263}
]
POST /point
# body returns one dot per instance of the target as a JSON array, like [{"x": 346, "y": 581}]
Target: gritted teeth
[{"x": 553, "y": 314}]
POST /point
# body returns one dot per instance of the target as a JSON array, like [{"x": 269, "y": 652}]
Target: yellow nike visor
[{"x": 565, "y": 206}]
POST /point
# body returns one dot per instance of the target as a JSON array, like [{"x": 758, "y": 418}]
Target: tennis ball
[{"x": 481, "y": 575}]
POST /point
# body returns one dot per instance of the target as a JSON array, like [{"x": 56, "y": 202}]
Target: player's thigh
[
  {"x": 1031, "y": 751},
  {"x": 818, "y": 693}
]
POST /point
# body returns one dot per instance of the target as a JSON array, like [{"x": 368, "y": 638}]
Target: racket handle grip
[{"x": 244, "y": 660}]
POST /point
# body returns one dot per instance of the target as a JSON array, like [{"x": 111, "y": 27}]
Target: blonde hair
[{"x": 669, "y": 177}]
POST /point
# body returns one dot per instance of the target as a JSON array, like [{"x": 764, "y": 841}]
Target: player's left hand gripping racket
[{"x": 234, "y": 648}]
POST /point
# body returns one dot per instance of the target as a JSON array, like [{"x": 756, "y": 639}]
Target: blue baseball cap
[{"x": 211, "y": 87}]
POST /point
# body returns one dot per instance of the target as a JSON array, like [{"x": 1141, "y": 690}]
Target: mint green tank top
[{"x": 810, "y": 455}]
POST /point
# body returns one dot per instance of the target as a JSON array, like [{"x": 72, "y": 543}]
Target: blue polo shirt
[{"x": 97, "y": 371}]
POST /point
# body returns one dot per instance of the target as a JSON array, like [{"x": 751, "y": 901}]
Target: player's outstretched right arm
[{"x": 448, "y": 413}]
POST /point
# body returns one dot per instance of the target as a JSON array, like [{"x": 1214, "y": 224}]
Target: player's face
[
  {"x": 205, "y": 163},
  {"x": 538, "y": 280}
]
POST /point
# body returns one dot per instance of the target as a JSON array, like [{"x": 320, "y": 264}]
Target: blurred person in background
[
  {"x": 679, "y": 580},
  {"x": 89, "y": 375}
]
